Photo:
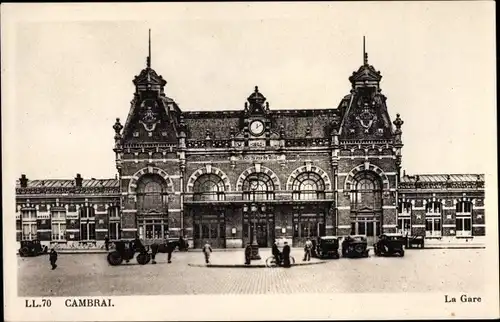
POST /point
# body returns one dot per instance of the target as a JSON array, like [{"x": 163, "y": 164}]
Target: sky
[{"x": 71, "y": 70}]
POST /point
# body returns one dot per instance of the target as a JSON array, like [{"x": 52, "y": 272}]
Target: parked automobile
[
  {"x": 32, "y": 248},
  {"x": 326, "y": 247},
  {"x": 416, "y": 241},
  {"x": 355, "y": 246},
  {"x": 390, "y": 245}
]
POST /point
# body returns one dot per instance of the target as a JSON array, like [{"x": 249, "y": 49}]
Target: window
[
  {"x": 433, "y": 207},
  {"x": 29, "y": 231},
  {"x": 29, "y": 226},
  {"x": 151, "y": 193},
  {"x": 87, "y": 231},
  {"x": 153, "y": 231},
  {"x": 114, "y": 212},
  {"x": 433, "y": 227},
  {"x": 309, "y": 225},
  {"x": 114, "y": 231},
  {"x": 308, "y": 186},
  {"x": 464, "y": 206},
  {"x": 404, "y": 207},
  {"x": 367, "y": 193},
  {"x": 464, "y": 226},
  {"x": 369, "y": 226},
  {"x": 258, "y": 186},
  {"x": 404, "y": 225},
  {"x": 87, "y": 212},
  {"x": 58, "y": 231},
  {"x": 28, "y": 214},
  {"x": 153, "y": 228},
  {"x": 208, "y": 187},
  {"x": 59, "y": 215}
]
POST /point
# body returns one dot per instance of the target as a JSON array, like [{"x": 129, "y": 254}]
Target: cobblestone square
[{"x": 427, "y": 270}]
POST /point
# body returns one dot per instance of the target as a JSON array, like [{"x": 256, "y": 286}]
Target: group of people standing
[{"x": 283, "y": 257}]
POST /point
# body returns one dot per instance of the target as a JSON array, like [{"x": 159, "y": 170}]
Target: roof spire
[
  {"x": 365, "y": 54},
  {"x": 148, "y": 60}
]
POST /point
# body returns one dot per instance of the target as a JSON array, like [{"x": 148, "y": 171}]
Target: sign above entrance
[{"x": 262, "y": 157}]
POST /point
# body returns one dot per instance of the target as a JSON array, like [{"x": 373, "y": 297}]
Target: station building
[{"x": 223, "y": 176}]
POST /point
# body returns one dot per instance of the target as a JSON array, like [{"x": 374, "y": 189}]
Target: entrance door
[
  {"x": 209, "y": 228},
  {"x": 368, "y": 226},
  {"x": 261, "y": 233},
  {"x": 264, "y": 229}
]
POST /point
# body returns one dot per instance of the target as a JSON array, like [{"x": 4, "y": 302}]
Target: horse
[{"x": 167, "y": 247}]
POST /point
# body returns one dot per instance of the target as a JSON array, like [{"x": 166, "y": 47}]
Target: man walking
[
  {"x": 53, "y": 258},
  {"x": 286, "y": 255},
  {"x": 206, "y": 251},
  {"x": 170, "y": 250},
  {"x": 307, "y": 250},
  {"x": 106, "y": 242}
]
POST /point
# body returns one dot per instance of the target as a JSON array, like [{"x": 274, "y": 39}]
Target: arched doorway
[
  {"x": 308, "y": 219},
  {"x": 366, "y": 205},
  {"x": 152, "y": 208},
  {"x": 258, "y": 218},
  {"x": 208, "y": 220}
]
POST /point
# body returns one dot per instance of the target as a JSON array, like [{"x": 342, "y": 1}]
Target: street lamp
[{"x": 255, "y": 246}]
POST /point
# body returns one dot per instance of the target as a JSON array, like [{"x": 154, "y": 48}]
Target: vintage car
[
  {"x": 125, "y": 250},
  {"x": 355, "y": 246},
  {"x": 416, "y": 241},
  {"x": 390, "y": 245},
  {"x": 326, "y": 247},
  {"x": 32, "y": 248}
]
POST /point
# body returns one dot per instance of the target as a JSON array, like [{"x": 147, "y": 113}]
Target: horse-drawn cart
[{"x": 125, "y": 251}]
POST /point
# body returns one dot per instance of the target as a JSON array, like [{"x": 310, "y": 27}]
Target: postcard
[{"x": 249, "y": 161}]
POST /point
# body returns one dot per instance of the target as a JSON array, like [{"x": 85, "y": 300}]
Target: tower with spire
[
  {"x": 367, "y": 147},
  {"x": 152, "y": 131}
]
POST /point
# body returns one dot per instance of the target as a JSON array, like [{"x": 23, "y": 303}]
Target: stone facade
[{"x": 232, "y": 177}]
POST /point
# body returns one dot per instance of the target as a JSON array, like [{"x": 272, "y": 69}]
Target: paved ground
[{"x": 90, "y": 275}]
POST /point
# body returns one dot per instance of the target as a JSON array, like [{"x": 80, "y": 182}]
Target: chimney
[
  {"x": 78, "y": 180},
  {"x": 404, "y": 173},
  {"x": 24, "y": 181}
]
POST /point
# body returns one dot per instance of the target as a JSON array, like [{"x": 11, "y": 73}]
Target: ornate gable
[{"x": 365, "y": 114}]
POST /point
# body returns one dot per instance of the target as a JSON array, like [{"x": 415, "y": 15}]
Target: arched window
[
  {"x": 208, "y": 187},
  {"x": 258, "y": 186},
  {"x": 308, "y": 186},
  {"x": 367, "y": 192},
  {"x": 151, "y": 193}
]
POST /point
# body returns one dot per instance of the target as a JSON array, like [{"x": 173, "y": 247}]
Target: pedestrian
[
  {"x": 53, "y": 258},
  {"x": 138, "y": 246},
  {"x": 106, "y": 242},
  {"x": 286, "y": 255},
  {"x": 206, "y": 251},
  {"x": 307, "y": 250},
  {"x": 170, "y": 250},
  {"x": 181, "y": 244},
  {"x": 248, "y": 254},
  {"x": 276, "y": 253}
]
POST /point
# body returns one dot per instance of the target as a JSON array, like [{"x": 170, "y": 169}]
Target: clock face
[{"x": 257, "y": 127}]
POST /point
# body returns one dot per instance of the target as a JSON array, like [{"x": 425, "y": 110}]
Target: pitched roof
[
  {"x": 443, "y": 178},
  {"x": 63, "y": 183},
  {"x": 295, "y": 122}
]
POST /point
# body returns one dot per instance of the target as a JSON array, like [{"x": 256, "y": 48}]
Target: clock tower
[{"x": 256, "y": 121}]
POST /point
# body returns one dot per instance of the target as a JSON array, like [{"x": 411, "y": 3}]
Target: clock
[{"x": 257, "y": 128}]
